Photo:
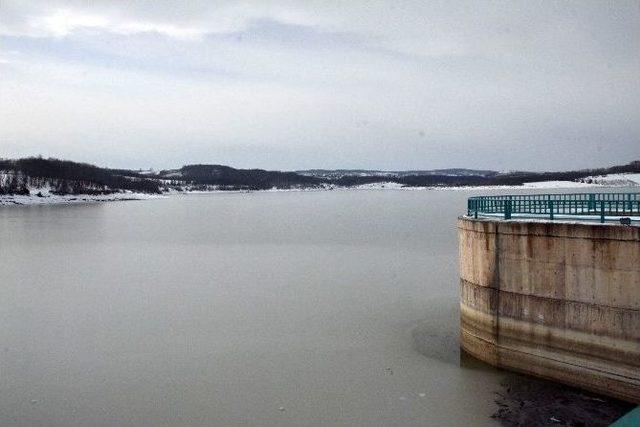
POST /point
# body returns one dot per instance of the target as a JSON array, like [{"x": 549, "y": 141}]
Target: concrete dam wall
[{"x": 555, "y": 300}]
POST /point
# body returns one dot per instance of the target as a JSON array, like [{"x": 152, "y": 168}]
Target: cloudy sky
[{"x": 289, "y": 85}]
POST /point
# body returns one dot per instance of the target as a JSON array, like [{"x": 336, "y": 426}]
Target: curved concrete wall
[{"x": 556, "y": 300}]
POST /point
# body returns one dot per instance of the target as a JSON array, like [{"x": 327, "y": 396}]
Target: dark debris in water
[{"x": 527, "y": 401}]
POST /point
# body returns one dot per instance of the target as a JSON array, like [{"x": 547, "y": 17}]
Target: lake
[{"x": 266, "y": 308}]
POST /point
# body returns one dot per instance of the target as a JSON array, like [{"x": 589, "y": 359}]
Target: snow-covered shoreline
[
  {"x": 34, "y": 200},
  {"x": 43, "y": 195}
]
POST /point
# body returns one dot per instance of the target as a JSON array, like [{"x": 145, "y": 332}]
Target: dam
[{"x": 550, "y": 287}]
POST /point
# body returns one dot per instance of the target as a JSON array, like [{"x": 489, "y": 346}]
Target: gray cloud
[{"x": 528, "y": 85}]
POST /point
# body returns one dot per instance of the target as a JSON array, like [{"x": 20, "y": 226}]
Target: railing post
[
  {"x": 592, "y": 202},
  {"x": 602, "y": 211},
  {"x": 551, "y": 209},
  {"x": 507, "y": 208}
]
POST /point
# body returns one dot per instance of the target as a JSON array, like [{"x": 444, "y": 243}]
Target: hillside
[
  {"x": 225, "y": 177},
  {"x": 63, "y": 177}
]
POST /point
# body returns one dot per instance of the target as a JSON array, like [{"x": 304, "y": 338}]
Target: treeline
[
  {"x": 79, "y": 178},
  {"x": 13, "y": 183},
  {"x": 412, "y": 180},
  {"x": 17, "y": 183},
  {"x": 226, "y": 177}
]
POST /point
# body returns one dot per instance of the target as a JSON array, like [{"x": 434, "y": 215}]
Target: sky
[{"x": 393, "y": 85}]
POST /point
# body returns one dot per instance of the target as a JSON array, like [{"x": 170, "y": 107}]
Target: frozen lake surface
[{"x": 299, "y": 308}]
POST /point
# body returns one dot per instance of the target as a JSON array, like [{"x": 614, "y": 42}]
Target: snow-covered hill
[{"x": 613, "y": 180}]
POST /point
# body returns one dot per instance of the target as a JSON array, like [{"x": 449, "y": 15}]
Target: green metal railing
[{"x": 600, "y": 206}]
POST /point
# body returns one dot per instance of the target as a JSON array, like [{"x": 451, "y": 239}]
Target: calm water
[{"x": 317, "y": 308}]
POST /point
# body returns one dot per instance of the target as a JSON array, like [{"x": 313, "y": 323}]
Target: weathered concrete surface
[{"x": 556, "y": 300}]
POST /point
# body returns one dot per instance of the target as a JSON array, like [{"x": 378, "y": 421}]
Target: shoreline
[{"x": 51, "y": 199}]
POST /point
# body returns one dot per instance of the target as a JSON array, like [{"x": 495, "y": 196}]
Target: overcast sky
[{"x": 350, "y": 84}]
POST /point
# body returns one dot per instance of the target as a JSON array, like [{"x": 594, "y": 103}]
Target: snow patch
[
  {"x": 615, "y": 180},
  {"x": 558, "y": 184}
]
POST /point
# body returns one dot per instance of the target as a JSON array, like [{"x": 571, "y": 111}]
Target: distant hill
[
  {"x": 35, "y": 174},
  {"x": 227, "y": 177},
  {"x": 461, "y": 177},
  {"x": 340, "y": 173}
]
